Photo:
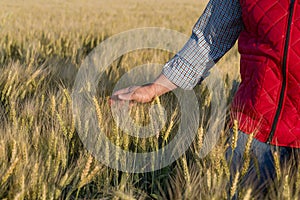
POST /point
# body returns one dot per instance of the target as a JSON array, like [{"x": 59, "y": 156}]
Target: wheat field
[{"x": 42, "y": 44}]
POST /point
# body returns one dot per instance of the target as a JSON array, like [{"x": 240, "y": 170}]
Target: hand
[
  {"x": 141, "y": 94},
  {"x": 145, "y": 93}
]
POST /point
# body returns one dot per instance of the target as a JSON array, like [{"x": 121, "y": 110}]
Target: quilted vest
[{"x": 267, "y": 102}]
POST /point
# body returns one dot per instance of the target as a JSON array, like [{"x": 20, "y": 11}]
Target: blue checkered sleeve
[{"x": 215, "y": 32}]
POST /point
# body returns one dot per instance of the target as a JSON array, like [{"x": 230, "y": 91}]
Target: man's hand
[
  {"x": 141, "y": 94},
  {"x": 145, "y": 93}
]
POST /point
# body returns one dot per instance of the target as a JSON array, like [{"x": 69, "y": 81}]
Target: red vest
[{"x": 267, "y": 102}]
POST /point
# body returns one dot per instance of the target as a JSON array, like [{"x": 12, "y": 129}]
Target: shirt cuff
[{"x": 179, "y": 72}]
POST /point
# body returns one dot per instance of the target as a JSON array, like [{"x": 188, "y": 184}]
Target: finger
[
  {"x": 134, "y": 97},
  {"x": 121, "y": 91},
  {"x": 127, "y": 96},
  {"x": 115, "y": 96},
  {"x": 116, "y": 101},
  {"x": 126, "y": 90}
]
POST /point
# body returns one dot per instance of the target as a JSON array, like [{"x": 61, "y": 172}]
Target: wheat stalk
[
  {"x": 161, "y": 111},
  {"x": 62, "y": 125},
  {"x": 246, "y": 163},
  {"x": 98, "y": 112},
  {"x": 286, "y": 188},
  {"x": 35, "y": 179},
  {"x": 248, "y": 194},
  {"x": 208, "y": 179},
  {"x": 277, "y": 165},
  {"x": 169, "y": 129},
  {"x": 85, "y": 171},
  {"x": 234, "y": 185},
  {"x": 53, "y": 105},
  {"x": 235, "y": 129},
  {"x": 44, "y": 192},
  {"x": 9, "y": 171}
]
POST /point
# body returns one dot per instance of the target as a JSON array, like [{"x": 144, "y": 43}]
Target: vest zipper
[{"x": 284, "y": 65}]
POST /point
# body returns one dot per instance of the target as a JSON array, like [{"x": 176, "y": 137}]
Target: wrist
[
  {"x": 157, "y": 89},
  {"x": 153, "y": 90}
]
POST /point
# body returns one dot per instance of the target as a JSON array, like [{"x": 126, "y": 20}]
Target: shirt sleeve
[{"x": 215, "y": 32}]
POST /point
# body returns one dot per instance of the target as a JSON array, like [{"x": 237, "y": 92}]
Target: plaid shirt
[{"x": 215, "y": 32}]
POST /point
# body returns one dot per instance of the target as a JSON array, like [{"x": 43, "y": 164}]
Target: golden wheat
[
  {"x": 41, "y": 153},
  {"x": 234, "y": 186}
]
